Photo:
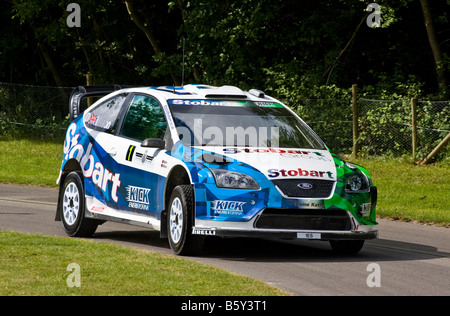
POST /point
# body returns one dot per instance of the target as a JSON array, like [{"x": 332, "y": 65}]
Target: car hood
[{"x": 281, "y": 163}]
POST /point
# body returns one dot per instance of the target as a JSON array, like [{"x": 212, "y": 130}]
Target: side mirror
[{"x": 154, "y": 143}]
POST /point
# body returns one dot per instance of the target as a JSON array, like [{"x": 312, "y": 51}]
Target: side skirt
[{"x": 97, "y": 210}]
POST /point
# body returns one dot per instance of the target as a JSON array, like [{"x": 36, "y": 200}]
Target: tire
[
  {"x": 72, "y": 206},
  {"x": 180, "y": 215},
  {"x": 347, "y": 247}
]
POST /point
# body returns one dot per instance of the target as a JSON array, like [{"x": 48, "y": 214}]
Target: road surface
[{"x": 407, "y": 259}]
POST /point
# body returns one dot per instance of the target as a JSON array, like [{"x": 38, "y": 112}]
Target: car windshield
[{"x": 240, "y": 123}]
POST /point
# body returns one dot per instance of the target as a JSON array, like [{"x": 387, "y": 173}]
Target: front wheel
[
  {"x": 72, "y": 205},
  {"x": 180, "y": 222}
]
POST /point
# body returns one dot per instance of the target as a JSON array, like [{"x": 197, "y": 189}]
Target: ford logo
[{"x": 305, "y": 186}]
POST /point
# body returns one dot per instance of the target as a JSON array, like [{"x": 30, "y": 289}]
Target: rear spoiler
[{"x": 81, "y": 92}]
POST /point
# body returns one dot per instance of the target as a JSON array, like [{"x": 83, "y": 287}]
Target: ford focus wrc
[{"x": 198, "y": 161}]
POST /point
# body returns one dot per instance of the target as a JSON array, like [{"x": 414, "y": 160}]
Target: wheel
[
  {"x": 180, "y": 222},
  {"x": 347, "y": 247},
  {"x": 72, "y": 205}
]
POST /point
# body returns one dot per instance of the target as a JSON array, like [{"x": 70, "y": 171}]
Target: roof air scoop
[
  {"x": 229, "y": 92},
  {"x": 225, "y": 92},
  {"x": 257, "y": 93}
]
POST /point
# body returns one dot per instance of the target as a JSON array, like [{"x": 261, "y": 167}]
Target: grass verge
[
  {"x": 411, "y": 192},
  {"x": 35, "y": 265},
  {"x": 30, "y": 162}
]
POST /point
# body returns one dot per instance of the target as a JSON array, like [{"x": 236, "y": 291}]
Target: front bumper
[{"x": 354, "y": 231}]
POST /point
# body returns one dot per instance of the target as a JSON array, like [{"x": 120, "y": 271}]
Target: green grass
[
  {"x": 411, "y": 192},
  {"x": 33, "y": 264},
  {"x": 30, "y": 162}
]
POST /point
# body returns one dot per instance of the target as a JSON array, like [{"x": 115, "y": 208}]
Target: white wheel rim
[
  {"x": 71, "y": 204},
  {"x": 176, "y": 220}
]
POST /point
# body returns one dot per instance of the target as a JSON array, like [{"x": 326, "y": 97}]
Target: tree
[{"x": 435, "y": 47}]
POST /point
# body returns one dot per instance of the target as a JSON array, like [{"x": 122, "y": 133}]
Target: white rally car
[{"x": 198, "y": 161}]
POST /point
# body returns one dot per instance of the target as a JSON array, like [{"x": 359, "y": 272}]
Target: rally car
[{"x": 198, "y": 161}]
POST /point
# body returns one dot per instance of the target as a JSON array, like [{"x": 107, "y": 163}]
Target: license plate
[{"x": 309, "y": 235}]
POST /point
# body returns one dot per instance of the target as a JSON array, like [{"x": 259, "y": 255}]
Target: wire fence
[
  {"x": 32, "y": 111},
  {"x": 385, "y": 126}
]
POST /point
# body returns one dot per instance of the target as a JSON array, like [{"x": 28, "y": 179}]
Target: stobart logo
[{"x": 100, "y": 175}]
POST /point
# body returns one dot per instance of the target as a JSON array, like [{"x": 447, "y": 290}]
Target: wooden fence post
[
  {"x": 414, "y": 127},
  {"x": 436, "y": 150},
  {"x": 355, "y": 120}
]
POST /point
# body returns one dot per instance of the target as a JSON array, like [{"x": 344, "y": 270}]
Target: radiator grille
[
  {"x": 336, "y": 220},
  {"x": 305, "y": 188}
]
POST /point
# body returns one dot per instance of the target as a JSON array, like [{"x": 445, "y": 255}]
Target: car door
[
  {"x": 100, "y": 169},
  {"x": 142, "y": 168}
]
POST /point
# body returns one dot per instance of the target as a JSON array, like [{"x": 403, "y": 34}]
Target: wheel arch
[
  {"x": 69, "y": 166},
  {"x": 179, "y": 175}
]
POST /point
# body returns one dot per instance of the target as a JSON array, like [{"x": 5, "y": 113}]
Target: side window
[
  {"x": 104, "y": 117},
  {"x": 144, "y": 119}
]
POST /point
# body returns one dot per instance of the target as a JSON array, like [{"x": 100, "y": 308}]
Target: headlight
[
  {"x": 357, "y": 183},
  {"x": 234, "y": 180}
]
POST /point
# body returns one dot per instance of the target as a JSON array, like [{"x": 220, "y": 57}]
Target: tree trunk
[
  {"x": 148, "y": 32},
  {"x": 50, "y": 64},
  {"x": 143, "y": 27},
  {"x": 435, "y": 48}
]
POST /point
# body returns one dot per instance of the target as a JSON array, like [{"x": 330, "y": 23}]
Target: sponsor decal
[
  {"x": 220, "y": 207},
  {"x": 138, "y": 197},
  {"x": 144, "y": 157},
  {"x": 97, "y": 209},
  {"x": 274, "y": 173},
  {"x": 101, "y": 176},
  {"x": 130, "y": 152},
  {"x": 196, "y": 102},
  {"x": 288, "y": 153},
  {"x": 224, "y": 103},
  {"x": 164, "y": 164},
  {"x": 308, "y": 204},
  {"x": 93, "y": 119},
  {"x": 203, "y": 231}
]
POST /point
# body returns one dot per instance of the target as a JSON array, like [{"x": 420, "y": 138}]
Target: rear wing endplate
[{"x": 81, "y": 92}]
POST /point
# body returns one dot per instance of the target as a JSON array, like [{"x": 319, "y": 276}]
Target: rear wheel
[
  {"x": 180, "y": 222},
  {"x": 347, "y": 247},
  {"x": 72, "y": 206}
]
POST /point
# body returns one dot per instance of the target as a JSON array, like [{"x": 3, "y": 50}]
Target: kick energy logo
[
  {"x": 138, "y": 197},
  {"x": 227, "y": 207}
]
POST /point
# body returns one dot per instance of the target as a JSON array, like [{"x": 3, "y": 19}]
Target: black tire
[
  {"x": 347, "y": 247},
  {"x": 180, "y": 213},
  {"x": 72, "y": 208}
]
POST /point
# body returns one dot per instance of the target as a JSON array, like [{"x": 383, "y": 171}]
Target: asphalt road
[{"x": 407, "y": 259}]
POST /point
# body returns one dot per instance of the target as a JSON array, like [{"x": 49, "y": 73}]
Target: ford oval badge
[{"x": 305, "y": 186}]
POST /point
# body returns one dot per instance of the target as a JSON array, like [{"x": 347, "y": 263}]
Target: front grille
[
  {"x": 299, "y": 219},
  {"x": 305, "y": 188}
]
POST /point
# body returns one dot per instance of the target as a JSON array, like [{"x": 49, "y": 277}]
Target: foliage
[
  {"x": 294, "y": 50},
  {"x": 249, "y": 43}
]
